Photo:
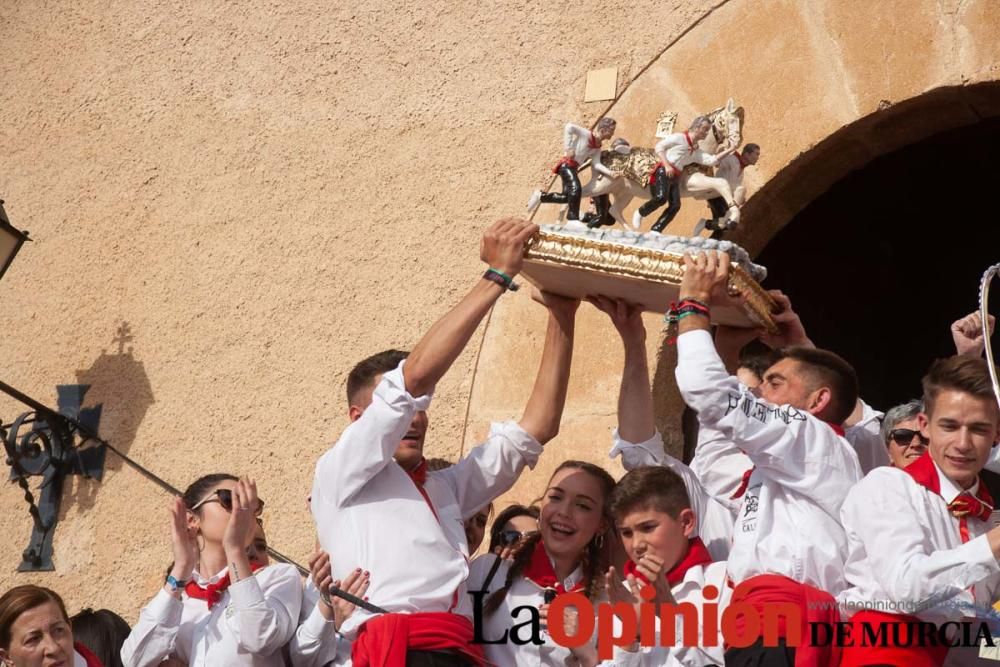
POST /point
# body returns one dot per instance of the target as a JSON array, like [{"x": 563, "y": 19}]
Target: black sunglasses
[
  {"x": 225, "y": 498},
  {"x": 509, "y": 538},
  {"x": 904, "y": 436}
]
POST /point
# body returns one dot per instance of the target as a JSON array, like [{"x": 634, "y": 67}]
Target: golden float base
[{"x": 579, "y": 267}]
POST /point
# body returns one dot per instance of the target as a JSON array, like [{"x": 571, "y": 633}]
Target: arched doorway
[{"x": 880, "y": 264}]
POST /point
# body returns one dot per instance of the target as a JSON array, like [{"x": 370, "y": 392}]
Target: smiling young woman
[{"x": 565, "y": 555}]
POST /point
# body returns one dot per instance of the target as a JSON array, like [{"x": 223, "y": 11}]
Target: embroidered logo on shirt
[{"x": 762, "y": 412}]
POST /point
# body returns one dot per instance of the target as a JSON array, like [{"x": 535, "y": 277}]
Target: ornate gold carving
[{"x": 649, "y": 264}]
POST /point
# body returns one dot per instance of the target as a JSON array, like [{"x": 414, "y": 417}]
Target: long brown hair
[
  {"x": 594, "y": 558},
  {"x": 20, "y": 599}
]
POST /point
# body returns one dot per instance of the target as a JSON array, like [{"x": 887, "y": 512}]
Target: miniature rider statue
[
  {"x": 579, "y": 145},
  {"x": 675, "y": 151}
]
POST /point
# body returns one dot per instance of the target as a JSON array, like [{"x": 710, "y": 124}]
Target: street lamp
[{"x": 11, "y": 240}]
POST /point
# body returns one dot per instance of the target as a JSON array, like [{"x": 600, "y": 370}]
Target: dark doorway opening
[{"x": 882, "y": 263}]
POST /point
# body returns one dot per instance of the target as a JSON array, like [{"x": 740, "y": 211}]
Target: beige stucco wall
[{"x": 267, "y": 192}]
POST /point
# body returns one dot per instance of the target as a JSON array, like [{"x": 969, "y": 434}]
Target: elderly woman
[
  {"x": 35, "y": 631},
  {"x": 902, "y": 434}
]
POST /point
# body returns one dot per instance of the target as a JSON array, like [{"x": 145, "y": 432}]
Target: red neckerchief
[
  {"x": 697, "y": 554},
  {"x": 743, "y": 164},
  {"x": 419, "y": 474},
  {"x": 91, "y": 659},
  {"x": 594, "y": 142},
  {"x": 924, "y": 472},
  {"x": 745, "y": 482},
  {"x": 419, "y": 477},
  {"x": 540, "y": 571},
  {"x": 690, "y": 143},
  {"x": 213, "y": 592}
]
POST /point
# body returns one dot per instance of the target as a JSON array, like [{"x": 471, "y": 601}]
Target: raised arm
[
  {"x": 637, "y": 440},
  {"x": 544, "y": 409},
  {"x": 502, "y": 248},
  {"x": 492, "y": 468},
  {"x": 370, "y": 442}
]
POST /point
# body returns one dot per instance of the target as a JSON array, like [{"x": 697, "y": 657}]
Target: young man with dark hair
[
  {"x": 378, "y": 509},
  {"x": 788, "y": 543},
  {"x": 922, "y": 545},
  {"x": 656, "y": 523}
]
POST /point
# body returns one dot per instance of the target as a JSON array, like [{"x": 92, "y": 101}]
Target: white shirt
[
  {"x": 680, "y": 153},
  {"x": 719, "y": 464},
  {"x": 370, "y": 514},
  {"x": 576, "y": 142},
  {"x": 248, "y": 626},
  {"x": 714, "y": 519},
  {"x": 316, "y": 642},
  {"x": 789, "y": 521},
  {"x": 688, "y": 590},
  {"x": 906, "y": 550},
  {"x": 522, "y": 592}
]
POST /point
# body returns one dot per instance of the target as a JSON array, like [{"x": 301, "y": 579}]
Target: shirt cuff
[
  {"x": 638, "y": 454},
  {"x": 246, "y": 593},
  {"x": 164, "y": 607},
  {"x": 869, "y": 416},
  {"x": 316, "y": 628},
  {"x": 698, "y": 341},
  {"x": 392, "y": 390},
  {"x": 522, "y": 441}
]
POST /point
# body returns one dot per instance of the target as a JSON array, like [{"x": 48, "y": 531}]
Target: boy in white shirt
[
  {"x": 377, "y": 508},
  {"x": 656, "y": 523},
  {"x": 922, "y": 550}
]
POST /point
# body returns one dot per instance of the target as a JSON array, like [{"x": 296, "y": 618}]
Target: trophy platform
[{"x": 645, "y": 269}]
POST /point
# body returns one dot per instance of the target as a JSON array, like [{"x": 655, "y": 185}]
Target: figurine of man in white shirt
[
  {"x": 730, "y": 168},
  {"x": 676, "y": 151},
  {"x": 579, "y": 145},
  {"x": 372, "y": 494}
]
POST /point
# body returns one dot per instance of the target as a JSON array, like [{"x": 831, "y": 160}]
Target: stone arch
[{"x": 826, "y": 90}]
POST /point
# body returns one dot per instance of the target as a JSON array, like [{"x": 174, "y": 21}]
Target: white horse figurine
[{"x": 635, "y": 164}]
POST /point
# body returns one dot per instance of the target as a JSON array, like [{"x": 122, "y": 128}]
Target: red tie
[
  {"x": 966, "y": 505},
  {"x": 213, "y": 592}
]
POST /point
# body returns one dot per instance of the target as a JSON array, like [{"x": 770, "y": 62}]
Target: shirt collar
[
  {"x": 202, "y": 581},
  {"x": 949, "y": 490}
]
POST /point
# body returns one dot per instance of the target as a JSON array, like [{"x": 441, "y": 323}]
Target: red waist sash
[{"x": 384, "y": 640}]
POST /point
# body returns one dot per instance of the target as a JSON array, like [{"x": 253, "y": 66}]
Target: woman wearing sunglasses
[
  {"x": 216, "y": 607},
  {"x": 902, "y": 435}
]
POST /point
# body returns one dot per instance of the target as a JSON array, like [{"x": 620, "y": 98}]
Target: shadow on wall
[{"x": 119, "y": 387}]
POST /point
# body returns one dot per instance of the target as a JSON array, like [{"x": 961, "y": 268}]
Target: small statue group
[{"x": 677, "y": 166}]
